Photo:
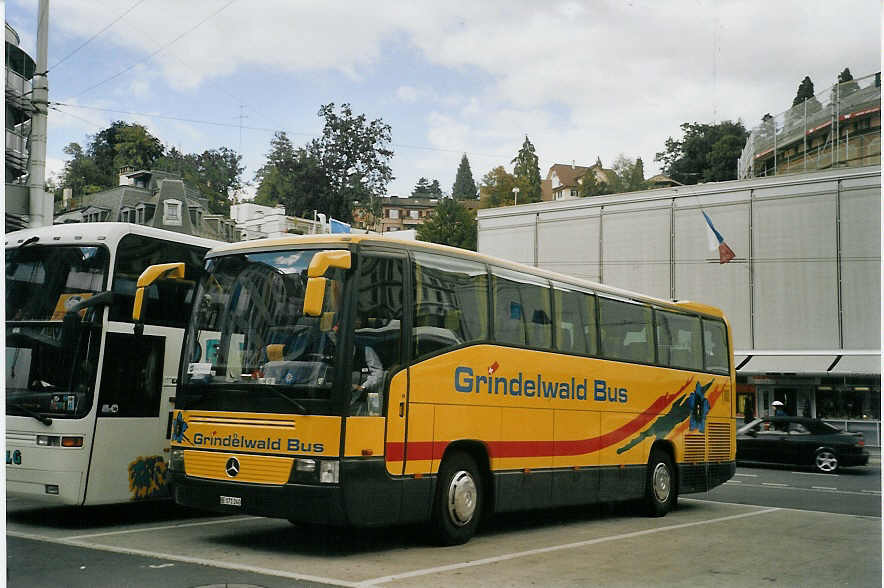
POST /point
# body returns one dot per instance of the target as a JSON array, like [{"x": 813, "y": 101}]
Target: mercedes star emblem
[{"x": 232, "y": 467}]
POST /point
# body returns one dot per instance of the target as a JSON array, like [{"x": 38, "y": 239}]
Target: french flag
[{"x": 716, "y": 241}]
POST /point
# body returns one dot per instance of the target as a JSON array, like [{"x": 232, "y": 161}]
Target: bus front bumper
[{"x": 304, "y": 503}]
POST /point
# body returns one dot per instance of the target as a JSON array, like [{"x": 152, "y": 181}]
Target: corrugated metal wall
[{"x": 807, "y": 274}]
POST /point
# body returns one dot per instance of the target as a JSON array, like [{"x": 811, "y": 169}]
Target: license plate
[{"x": 231, "y": 500}]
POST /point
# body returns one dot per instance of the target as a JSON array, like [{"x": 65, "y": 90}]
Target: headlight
[
  {"x": 176, "y": 460},
  {"x": 329, "y": 471}
]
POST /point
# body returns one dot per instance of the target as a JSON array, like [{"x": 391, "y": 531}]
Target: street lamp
[{"x": 515, "y": 196}]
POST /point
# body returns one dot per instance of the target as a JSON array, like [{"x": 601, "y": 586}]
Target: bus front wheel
[
  {"x": 458, "y": 502},
  {"x": 661, "y": 492}
]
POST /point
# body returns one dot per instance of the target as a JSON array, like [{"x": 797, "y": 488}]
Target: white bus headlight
[
  {"x": 329, "y": 472},
  {"x": 176, "y": 460}
]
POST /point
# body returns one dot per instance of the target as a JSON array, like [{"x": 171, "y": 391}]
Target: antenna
[{"x": 241, "y": 116}]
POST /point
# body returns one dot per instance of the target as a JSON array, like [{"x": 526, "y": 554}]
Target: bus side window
[
  {"x": 678, "y": 340},
  {"x": 717, "y": 358},
  {"x": 625, "y": 329},
  {"x": 575, "y": 321},
  {"x": 450, "y": 303},
  {"x": 521, "y": 309}
]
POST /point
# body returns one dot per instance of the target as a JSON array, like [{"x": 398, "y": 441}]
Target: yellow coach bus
[{"x": 355, "y": 380}]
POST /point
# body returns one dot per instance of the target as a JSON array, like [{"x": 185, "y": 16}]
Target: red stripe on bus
[{"x": 425, "y": 450}]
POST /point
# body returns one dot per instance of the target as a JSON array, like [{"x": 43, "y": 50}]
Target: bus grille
[
  {"x": 694, "y": 448},
  {"x": 719, "y": 441}
]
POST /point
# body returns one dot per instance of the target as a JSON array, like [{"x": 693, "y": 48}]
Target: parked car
[{"x": 800, "y": 441}]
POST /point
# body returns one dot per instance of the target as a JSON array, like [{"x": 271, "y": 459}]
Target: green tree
[
  {"x": 292, "y": 177},
  {"x": 80, "y": 173},
  {"x": 354, "y": 155},
  {"x": 496, "y": 187},
  {"x": 215, "y": 173},
  {"x": 705, "y": 152},
  {"x": 435, "y": 188},
  {"x": 805, "y": 91},
  {"x": 589, "y": 185},
  {"x": 450, "y": 224},
  {"x": 464, "y": 187},
  {"x": 422, "y": 188},
  {"x": 848, "y": 86},
  {"x": 527, "y": 173},
  {"x": 123, "y": 144},
  {"x": 628, "y": 174}
]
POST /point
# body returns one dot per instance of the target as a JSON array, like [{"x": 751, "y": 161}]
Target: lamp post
[{"x": 515, "y": 196}]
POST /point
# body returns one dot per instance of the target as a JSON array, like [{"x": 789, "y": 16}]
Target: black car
[{"x": 800, "y": 441}]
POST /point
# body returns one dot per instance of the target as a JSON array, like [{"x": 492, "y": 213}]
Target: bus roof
[
  {"x": 110, "y": 232},
  {"x": 283, "y": 243}
]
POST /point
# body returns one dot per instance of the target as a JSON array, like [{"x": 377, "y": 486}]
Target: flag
[
  {"x": 336, "y": 226},
  {"x": 716, "y": 241}
]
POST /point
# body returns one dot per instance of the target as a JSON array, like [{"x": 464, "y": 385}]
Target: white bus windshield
[{"x": 48, "y": 373}]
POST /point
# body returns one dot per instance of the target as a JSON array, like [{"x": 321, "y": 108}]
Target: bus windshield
[
  {"x": 250, "y": 347},
  {"x": 42, "y": 283}
]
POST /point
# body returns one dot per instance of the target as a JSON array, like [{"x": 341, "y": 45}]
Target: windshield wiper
[
  {"x": 40, "y": 417},
  {"x": 275, "y": 389}
]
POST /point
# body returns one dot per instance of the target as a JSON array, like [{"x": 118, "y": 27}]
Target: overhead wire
[
  {"x": 160, "y": 49},
  {"x": 93, "y": 37}
]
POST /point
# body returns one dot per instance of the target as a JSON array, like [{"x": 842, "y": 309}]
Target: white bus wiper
[{"x": 40, "y": 417}]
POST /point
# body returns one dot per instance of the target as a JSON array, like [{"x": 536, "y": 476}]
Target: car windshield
[
  {"x": 250, "y": 347},
  {"x": 48, "y": 372}
]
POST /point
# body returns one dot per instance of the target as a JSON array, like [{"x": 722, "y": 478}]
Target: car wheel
[
  {"x": 661, "y": 486},
  {"x": 458, "y": 502},
  {"x": 826, "y": 461}
]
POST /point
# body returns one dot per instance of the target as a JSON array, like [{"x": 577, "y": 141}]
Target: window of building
[
  {"x": 678, "y": 340},
  {"x": 172, "y": 212},
  {"x": 414, "y": 213},
  {"x": 394, "y": 213},
  {"x": 625, "y": 331},
  {"x": 450, "y": 303},
  {"x": 574, "y": 193},
  {"x": 521, "y": 306},
  {"x": 575, "y": 320}
]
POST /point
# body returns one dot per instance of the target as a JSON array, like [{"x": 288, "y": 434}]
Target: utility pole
[{"x": 40, "y": 204}]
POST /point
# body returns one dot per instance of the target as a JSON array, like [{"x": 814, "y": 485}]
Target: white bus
[{"x": 88, "y": 400}]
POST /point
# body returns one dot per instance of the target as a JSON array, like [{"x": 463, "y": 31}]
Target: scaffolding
[{"x": 839, "y": 127}]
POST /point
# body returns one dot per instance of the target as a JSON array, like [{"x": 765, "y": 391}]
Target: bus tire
[
  {"x": 457, "y": 506},
  {"x": 661, "y": 486}
]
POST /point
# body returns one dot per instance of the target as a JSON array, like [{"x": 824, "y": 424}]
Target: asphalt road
[{"x": 726, "y": 537}]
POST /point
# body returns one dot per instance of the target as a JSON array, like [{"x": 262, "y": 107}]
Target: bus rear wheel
[
  {"x": 661, "y": 491},
  {"x": 458, "y": 502}
]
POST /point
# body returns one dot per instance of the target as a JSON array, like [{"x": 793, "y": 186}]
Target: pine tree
[
  {"x": 464, "y": 187},
  {"x": 805, "y": 91},
  {"x": 527, "y": 173}
]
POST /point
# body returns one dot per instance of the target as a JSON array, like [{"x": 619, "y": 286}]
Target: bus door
[{"x": 135, "y": 401}]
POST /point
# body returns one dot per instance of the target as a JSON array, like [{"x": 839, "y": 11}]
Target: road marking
[
  {"x": 162, "y": 528},
  {"x": 789, "y": 509},
  {"x": 747, "y": 475},
  {"x": 823, "y": 488},
  {"x": 787, "y": 487},
  {"x": 510, "y": 556},
  {"x": 816, "y": 474},
  {"x": 872, "y": 491},
  {"x": 226, "y": 564},
  {"x": 157, "y": 567},
  {"x": 775, "y": 484},
  {"x": 734, "y": 482}
]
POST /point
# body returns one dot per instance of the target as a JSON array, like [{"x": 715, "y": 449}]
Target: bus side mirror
[
  {"x": 160, "y": 271},
  {"x": 316, "y": 283},
  {"x": 314, "y": 296}
]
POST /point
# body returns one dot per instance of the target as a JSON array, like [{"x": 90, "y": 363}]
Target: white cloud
[{"x": 407, "y": 94}]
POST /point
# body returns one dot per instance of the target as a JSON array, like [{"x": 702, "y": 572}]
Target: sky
[{"x": 580, "y": 79}]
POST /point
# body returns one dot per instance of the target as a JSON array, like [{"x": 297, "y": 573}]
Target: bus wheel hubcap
[
  {"x": 461, "y": 498},
  {"x": 661, "y": 482}
]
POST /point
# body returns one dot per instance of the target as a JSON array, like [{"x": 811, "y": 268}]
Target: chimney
[{"x": 125, "y": 180}]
